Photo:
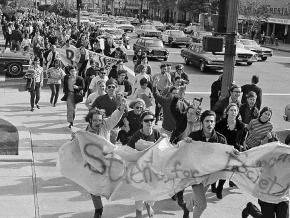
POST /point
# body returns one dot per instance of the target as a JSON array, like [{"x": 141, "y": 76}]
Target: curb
[
  {"x": 24, "y": 148},
  {"x": 277, "y": 49}
]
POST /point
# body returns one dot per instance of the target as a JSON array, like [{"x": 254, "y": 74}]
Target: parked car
[
  {"x": 175, "y": 37},
  {"x": 153, "y": 47},
  {"x": 179, "y": 26},
  {"x": 198, "y": 36},
  {"x": 114, "y": 33},
  {"x": 194, "y": 54},
  {"x": 135, "y": 21},
  {"x": 148, "y": 30},
  {"x": 192, "y": 27},
  {"x": 15, "y": 64},
  {"x": 125, "y": 25},
  {"x": 263, "y": 53},
  {"x": 169, "y": 26},
  {"x": 244, "y": 55},
  {"x": 158, "y": 25}
]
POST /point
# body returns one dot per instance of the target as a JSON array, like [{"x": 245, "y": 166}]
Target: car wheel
[
  {"x": 15, "y": 69},
  {"x": 202, "y": 66},
  {"x": 187, "y": 62},
  {"x": 264, "y": 58},
  {"x": 249, "y": 63}
]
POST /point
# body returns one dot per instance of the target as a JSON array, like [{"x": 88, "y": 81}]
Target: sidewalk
[
  {"x": 280, "y": 47},
  {"x": 36, "y": 189}
]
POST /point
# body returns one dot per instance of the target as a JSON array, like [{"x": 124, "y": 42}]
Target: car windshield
[
  {"x": 157, "y": 23},
  {"x": 148, "y": 27},
  {"x": 154, "y": 43},
  {"x": 249, "y": 42},
  {"x": 122, "y": 22},
  {"x": 114, "y": 32},
  {"x": 177, "y": 34}
]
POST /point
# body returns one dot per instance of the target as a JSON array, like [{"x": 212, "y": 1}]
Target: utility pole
[
  {"x": 79, "y": 5},
  {"x": 230, "y": 47}
]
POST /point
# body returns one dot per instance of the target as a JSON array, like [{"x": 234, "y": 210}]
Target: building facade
[{"x": 278, "y": 22}]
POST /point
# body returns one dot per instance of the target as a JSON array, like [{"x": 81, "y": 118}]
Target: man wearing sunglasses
[
  {"x": 109, "y": 101},
  {"x": 102, "y": 75}
]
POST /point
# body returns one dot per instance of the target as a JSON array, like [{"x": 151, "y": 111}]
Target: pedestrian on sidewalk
[
  {"x": 8, "y": 35},
  {"x": 72, "y": 88},
  {"x": 16, "y": 39},
  {"x": 102, "y": 126},
  {"x": 54, "y": 77},
  {"x": 34, "y": 83}
]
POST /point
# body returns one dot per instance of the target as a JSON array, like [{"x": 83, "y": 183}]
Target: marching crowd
[{"x": 241, "y": 124}]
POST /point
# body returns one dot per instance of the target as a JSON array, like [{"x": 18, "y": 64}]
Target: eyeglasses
[
  {"x": 111, "y": 87},
  {"x": 137, "y": 107},
  {"x": 148, "y": 120},
  {"x": 237, "y": 91},
  {"x": 103, "y": 73}
]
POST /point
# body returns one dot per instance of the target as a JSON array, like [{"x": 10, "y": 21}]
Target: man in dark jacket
[
  {"x": 206, "y": 134},
  {"x": 252, "y": 87},
  {"x": 16, "y": 39},
  {"x": 215, "y": 92},
  {"x": 221, "y": 105}
]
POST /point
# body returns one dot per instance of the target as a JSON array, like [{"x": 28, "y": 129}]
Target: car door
[
  {"x": 195, "y": 55},
  {"x": 142, "y": 45}
]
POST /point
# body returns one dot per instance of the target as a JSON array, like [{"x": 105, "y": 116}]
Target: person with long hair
[
  {"x": 54, "y": 76},
  {"x": 259, "y": 130},
  {"x": 234, "y": 130},
  {"x": 34, "y": 78}
]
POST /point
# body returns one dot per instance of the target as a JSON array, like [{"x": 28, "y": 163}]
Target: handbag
[{"x": 78, "y": 97}]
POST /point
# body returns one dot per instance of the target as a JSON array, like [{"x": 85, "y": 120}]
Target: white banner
[{"x": 162, "y": 170}]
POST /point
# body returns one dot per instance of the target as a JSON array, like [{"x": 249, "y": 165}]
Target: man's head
[
  {"x": 122, "y": 75},
  {"x": 255, "y": 79},
  {"x": 102, "y": 73},
  {"x": 168, "y": 67},
  {"x": 251, "y": 98},
  {"x": 163, "y": 68},
  {"x": 207, "y": 120},
  {"x": 95, "y": 118},
  {"x": 143, "y": 83},
  {"x": 111, "y": 86},
  {"x": 173, "y": 91},
  {"x": 235, "y": 92},
  {"x": 179, "y": 68}
]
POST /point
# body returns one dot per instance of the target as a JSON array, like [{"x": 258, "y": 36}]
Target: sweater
[{"x": 106, "y": 103}]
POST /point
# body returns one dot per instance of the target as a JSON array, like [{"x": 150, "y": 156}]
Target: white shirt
[{"x": 94, "y": 83}]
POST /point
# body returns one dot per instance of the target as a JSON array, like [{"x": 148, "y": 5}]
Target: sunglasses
[
  {"x": 111, "y": 87},
  {"x": 137, "y": 107},
  {"x": 148, "y": 120}
]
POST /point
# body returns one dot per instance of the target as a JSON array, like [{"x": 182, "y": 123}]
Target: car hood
[
  {"x": 16, "y": 55},
  {"x": 244, "y": 51},
  {"x": 152, "y": 31},
  {"x": 213, "y": 57},
  {"x": 125, "y": 25}
]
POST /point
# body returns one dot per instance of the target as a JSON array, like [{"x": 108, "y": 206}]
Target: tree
[
  {"x": 4, "y": 2},
  {"x": 255, "y": 12}
]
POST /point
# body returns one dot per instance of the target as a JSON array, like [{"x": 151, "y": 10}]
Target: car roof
[{"x": 150, "y": 38}]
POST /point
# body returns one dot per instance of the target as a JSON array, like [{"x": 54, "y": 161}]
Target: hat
[
  {"x": 162, "y": 66},
  {"x": 137, "y": 100},
  {"x": 111, "y": 81}
]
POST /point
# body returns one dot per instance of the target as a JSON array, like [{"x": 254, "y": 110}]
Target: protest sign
[{"x": 162, "y": 170}]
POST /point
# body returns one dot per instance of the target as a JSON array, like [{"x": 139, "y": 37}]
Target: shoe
[
  {"x": 174, "y": 197},
  {"x": 53, "y": 105},
  {"x": 245, "y": 212},
  {"x": 37, "y": 106},
  {"x": 32, "y": 109},
  {"x": 219, "y": 193},
  {"x": 70, "y": 124}
]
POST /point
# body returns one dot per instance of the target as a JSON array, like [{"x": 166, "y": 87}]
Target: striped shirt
[{"x": 257, "y": 132}]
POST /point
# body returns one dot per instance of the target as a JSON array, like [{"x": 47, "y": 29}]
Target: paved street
[{"x": 34, "y": 187}]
